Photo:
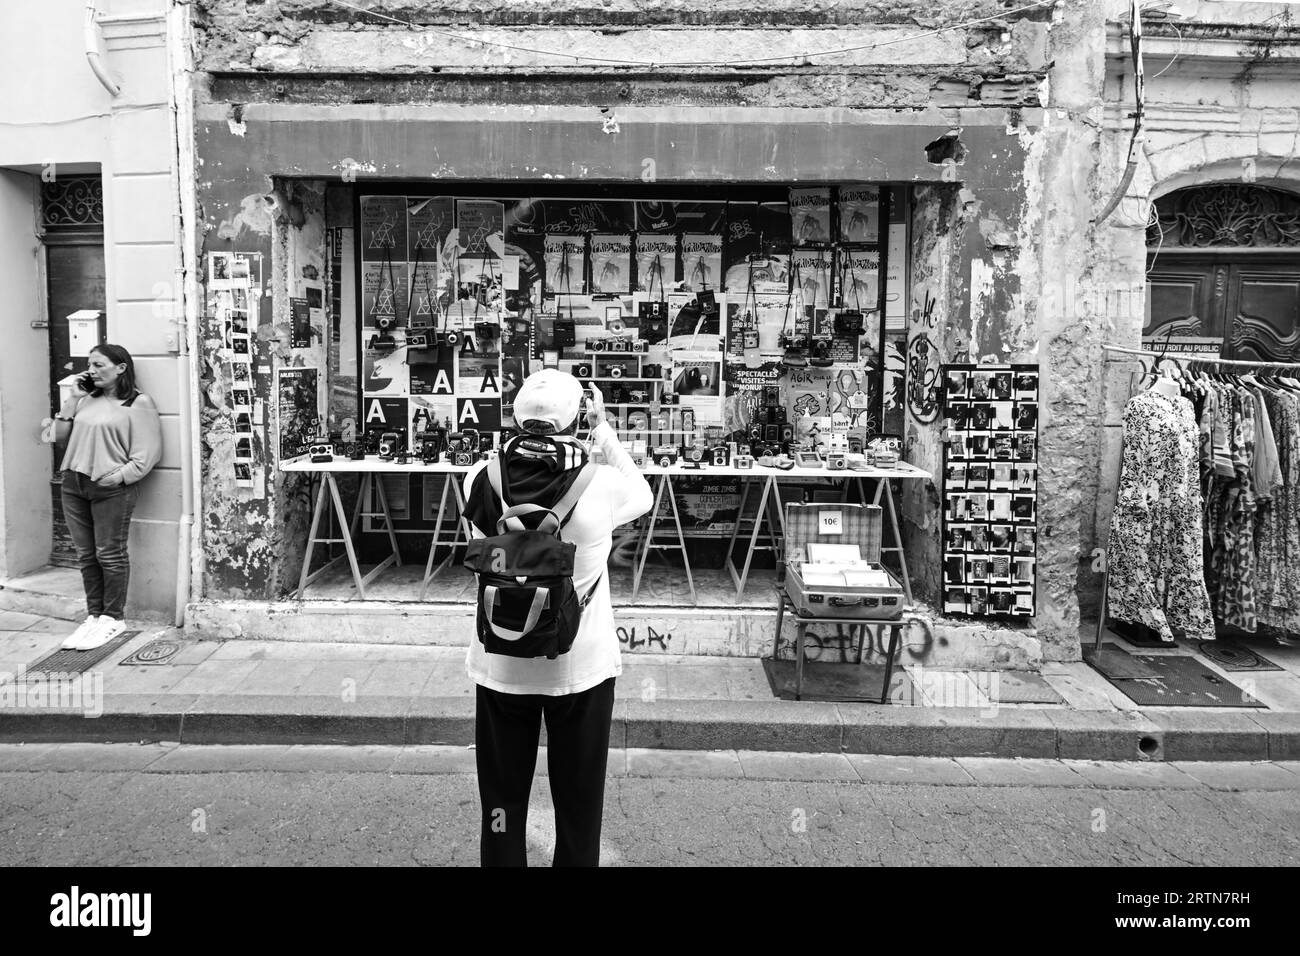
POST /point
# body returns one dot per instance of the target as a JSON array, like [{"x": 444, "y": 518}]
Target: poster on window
[
  {"x": 299, "y": 420},
  {"x": 656, "y": 263},
  {"x": 812, "y": 271},
  {"x": 480, "y": 226},
  {"x": 697, "y": 380},
  {"x": 565, "y": 264},
  {"x": 701, "y": 262},
  {"x": 611, "y": 264},
  {"x": 810, "y": 216},
  {"x": 428, "y": 223},
  {"x": 383, "y": 228},
  {"x": 859, "y": 214}
]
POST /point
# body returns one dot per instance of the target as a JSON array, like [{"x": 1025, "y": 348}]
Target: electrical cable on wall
[
  {"x": 1139, "y": 94},
  {"x": 799, "y": 58}
]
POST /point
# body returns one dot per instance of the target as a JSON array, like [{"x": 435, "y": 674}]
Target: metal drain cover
[
  {"x": 155, "y": 652},
  {"x": 1235, "y": 657}
]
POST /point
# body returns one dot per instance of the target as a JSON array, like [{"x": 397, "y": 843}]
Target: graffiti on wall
[
  {"x": 629, "y": 637},
  {"x": 922, "y": 368}
]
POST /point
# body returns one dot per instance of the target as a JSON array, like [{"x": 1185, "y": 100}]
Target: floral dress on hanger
[{"x": 1155, "y": 551}]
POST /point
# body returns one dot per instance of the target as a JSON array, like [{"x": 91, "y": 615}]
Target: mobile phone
[{"x": 86, "y": 382}]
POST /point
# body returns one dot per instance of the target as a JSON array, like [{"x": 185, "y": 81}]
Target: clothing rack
[
  {"x": 1210, "y": 360},
  {"x": 1116, "y": 662}
]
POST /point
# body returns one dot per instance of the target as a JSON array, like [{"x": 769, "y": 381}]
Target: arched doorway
[{"x": 1223, "y": 272}]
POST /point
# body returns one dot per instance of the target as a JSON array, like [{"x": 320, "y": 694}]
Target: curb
[{"x": 806, "y": 727}]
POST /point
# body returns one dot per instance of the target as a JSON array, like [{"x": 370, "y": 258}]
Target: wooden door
[
  {"x": 75, "y": 276},
  {"x": 1250, "y": 300}
]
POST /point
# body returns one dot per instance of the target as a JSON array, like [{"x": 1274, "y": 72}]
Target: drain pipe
[
  {"x": 186, "y": 297},
  {"x": 94, "y": 38}
]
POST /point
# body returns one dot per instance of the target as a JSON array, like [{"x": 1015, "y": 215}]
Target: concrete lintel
[{"x": 539, "y": 143}]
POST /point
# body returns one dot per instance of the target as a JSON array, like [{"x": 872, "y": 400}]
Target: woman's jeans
[{"x": 99, "y": 519}]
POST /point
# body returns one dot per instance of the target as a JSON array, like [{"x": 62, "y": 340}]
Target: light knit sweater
[
  {"x": 108, "y": 437},
  {"x": 618, "y": 493}
]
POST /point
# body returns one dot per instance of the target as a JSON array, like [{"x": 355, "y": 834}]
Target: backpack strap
[
  {"x": 564, "y": 507},
  {"x": 497, "y": 478},
  {"x": 541, "y": 597}
]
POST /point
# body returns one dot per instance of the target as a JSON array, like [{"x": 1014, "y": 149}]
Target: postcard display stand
[{"x": 990, "y": 489}]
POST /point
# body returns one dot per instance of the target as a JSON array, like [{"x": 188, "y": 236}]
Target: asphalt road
[{"x": 315, "y": 806}]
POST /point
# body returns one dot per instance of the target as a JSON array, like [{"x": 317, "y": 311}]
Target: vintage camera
[
  {"x": 449, "y": 339},
  {"x": 785, "y": 433},
  {"x": 669, "y": 398},
  {"x": 849, "y": 323},
  {"x": 566, "y": 334},
  {"x": 640, "y": 345},
  {"x": 789, "y": 341},
  {"x": 719, "y": 456},
  {"x": 760, "y": 449},
  {"x": 750, "y": 340},
  {"x": 388, "y": 445},
  {"x": 355, "y": 451},
  {"x": 697, "y": 453},
  {"x": 619, "y": 343},
  {"x": 321, "y": 452},
  {"x": 665, "y": 455},
  {"x": 430, "y": 453},
  {"x": 707, "y": 300},
  {"x": 836, "y": 461},
  {"x": 462, "y": 448},
  {"x": 820, "y": 354},
  {"x": 774, "y": 415},
  {"x": 417, "y": 340},
  {"x": 595, "y": 345},
  {"x": 582, "y": 370},
  {"x": 616, "y": 370},
  {"x": 637, "y": 396},
  {"x": 744, "y": 461},
  {"x": 771, "y": 395},
  {"x": 652, "y": 370},
  {"x": 486, "y": 331},
  {"x": 771, "y": 434}
]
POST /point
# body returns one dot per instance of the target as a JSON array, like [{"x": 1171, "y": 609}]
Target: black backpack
[{"x": 527, "y": 606}]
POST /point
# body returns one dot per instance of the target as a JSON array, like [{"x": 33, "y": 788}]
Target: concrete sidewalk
[{"x": 268, "y": 692}]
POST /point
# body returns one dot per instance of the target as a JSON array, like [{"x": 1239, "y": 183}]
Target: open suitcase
[{"x": 841, "y": 523}]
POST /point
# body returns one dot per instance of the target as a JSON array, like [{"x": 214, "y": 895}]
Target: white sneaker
[
  {"x": 73, "y": 640},
  {"x": 107, "y": 629}
]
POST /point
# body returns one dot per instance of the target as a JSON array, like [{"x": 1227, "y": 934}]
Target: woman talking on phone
[{"x": 114, "y": 439}]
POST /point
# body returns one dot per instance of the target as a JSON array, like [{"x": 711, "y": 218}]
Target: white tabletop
[{"x": 373, "y": 465}]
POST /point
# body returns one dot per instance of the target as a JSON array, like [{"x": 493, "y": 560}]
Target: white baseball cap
[{"x": 547, "y": 402}]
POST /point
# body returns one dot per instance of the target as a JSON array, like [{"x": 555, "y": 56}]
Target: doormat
[
  {"x": 1182, "y": 681},
  {"x": 1235, "y": 657},
  {"x": 828, "y": 681},
  {"x": 160, "y": 651},
  {"x": 1114, "y": 663},
  {"x": 74, "y": 662}
]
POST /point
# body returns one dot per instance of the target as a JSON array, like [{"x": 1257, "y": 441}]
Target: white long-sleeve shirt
[{"x": 618, "y": 493}]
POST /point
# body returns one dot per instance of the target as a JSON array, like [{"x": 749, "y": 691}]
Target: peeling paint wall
[
  {"x": 308, "y": 90},
  {"x": 1025, "y": 118}
]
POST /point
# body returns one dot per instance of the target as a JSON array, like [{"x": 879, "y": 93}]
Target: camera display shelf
[
  {"x": 758, "y": 479},
  {"x": 367, "y": 468}
]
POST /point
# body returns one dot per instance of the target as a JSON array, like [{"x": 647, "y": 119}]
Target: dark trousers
[
  {"x": 507, "y": 728},
  {"x": 99, "y": 520}
]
